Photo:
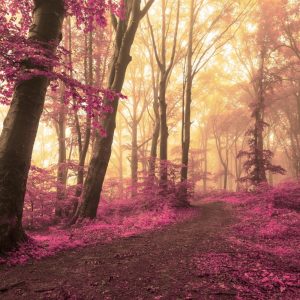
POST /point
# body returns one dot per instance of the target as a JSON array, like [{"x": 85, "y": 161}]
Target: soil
[{"x": 153, "y": 265}]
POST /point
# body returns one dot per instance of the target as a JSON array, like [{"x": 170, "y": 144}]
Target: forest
[{"x": 149, "y": 149}]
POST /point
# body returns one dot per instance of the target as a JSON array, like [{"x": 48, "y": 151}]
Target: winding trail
[{"x": 153, "y": 265}]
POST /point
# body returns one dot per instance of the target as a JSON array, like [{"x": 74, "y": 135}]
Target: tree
[
  {"x": 165, "y": 72},
  {"x": 155, "y": 73},
  {"x": 156, "y": 120},
  {"x": 21, "y": 123},
  {"x": 186, "y": 107},
  {"x": 60, "y": 126},
  {"x": 258, "y": 159},
  {"x": 221, "y": 25},
  {"x": 283, "y": 30},
  {"x": 204, "y": 151},
  {"x": 134, "y": 113},
  {"x": 228, "y": 126},
  {"x": 84, "y": 142},
  {"x": 27, "y": 67},
  {"x": 125, "y": 30}
]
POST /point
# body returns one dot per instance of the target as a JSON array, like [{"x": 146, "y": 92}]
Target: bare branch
[{"x": 147, "y": 6}]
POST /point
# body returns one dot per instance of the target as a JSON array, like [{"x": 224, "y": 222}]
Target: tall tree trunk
[
  {"x": 134, "y": 136},
  {"x": 20, "y": 128},
  {"x": 156, "y": 127},
  {"x": 225, "y": 178},
  {"x": 163, "y": 149},
  {"x": 226, "y": 164},
  {"x": 187, "y": 108},
  {"x": 134, "y": 156},
  {"x": 230, "y": 177},
  {"x": 62, "y": 171},
  {"x": 125, "y": 34},
  {"x": 164, "y": 133},
  {"x": 259, "y": 168},
  {"x": 76, "y": 117},
  {"x": 165, "y": 72},
  {"x": 237, "y": 166},
  {"x": 269, "y": 174},
  {"x": 155, "y": 137},
  {"x": 205, "y": 162},
  {"x": 87, "y": 135},
  {"x": 260, "y": 173},
  {"x": 223, "y": 160},
  {"x": 62, "y": 155},
  {"x": 120, "y": 156},
  {"x": 297, "y": 95}
]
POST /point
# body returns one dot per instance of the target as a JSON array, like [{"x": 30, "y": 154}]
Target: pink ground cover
[
  {"x": 268, "y": 226},
  {"x": 268, "y": 217},
  {"x": 115, "y": 220},
  {"x": 244, "y": 274},
  {"x": 263, "y": 259}
]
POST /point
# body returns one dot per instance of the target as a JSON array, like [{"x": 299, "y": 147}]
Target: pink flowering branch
[{"x": 22, "y": 58}]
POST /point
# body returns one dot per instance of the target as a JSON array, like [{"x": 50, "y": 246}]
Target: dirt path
[{"x": 155, "y": 265}]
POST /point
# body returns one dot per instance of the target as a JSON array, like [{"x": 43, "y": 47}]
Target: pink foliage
[
  {"x": 265, "y": 220},
  {"x": 28, "y": 58},
  {"x": 287, "y": 195},
  {"x": 117, "y": 219},
  {"x": 272, "y": 228},
  {"x": 146, "y": 196},
  {"x": 261, "y": 219},
  {"x": 247, "y": 275},
  {"x": 263, "y": 243},
  {"x": 39, "y": 199}
]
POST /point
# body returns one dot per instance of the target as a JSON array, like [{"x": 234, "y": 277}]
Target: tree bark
[
  {"x": 165, "y": 72},
  {"x": 125, "y": 34},
  {"x": 134, "y": 156},
  {"x": 164, "y": 132},
  {"x": 20, "y": 128},
  {"x": 156, "y": 127},
  {"x": 62, "y": 170},
  {"x": 297, "y": 167},
  {"x": 223, "y": 160},
  {"x": 186, "y": 138},
  {"x": 120, "y": 159},
  {"x": 62, "y": 155},
  {"x": 87, "y": 135},
  {"x": 205, "y": 175},
  {"x": 155, "y": 137},
  {"x": 259, "y": 167}
]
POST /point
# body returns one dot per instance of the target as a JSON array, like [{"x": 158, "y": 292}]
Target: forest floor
[{"x": 195, "y": 259}]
